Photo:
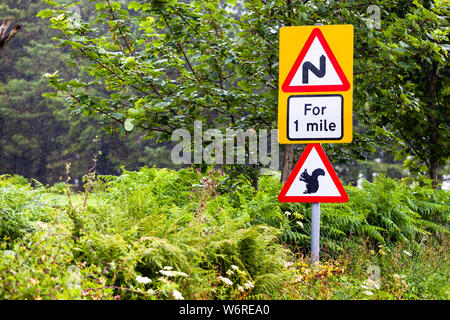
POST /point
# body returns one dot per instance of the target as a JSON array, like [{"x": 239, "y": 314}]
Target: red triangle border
[
  {"x": 330, "y": 199},
  {"x": 316, "y": 88}
]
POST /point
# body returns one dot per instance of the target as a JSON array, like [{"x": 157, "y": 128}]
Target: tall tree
[
  {"x": 165, "y": 64},
  {"x": 27, "y": 125},
  {"x": 39, "y": 135},
  {"x": 407, "y": 93}
]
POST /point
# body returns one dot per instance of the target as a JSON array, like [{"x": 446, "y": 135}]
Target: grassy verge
[
  {"x": 395, "y": 273},
  {"x": 161, "y": 234}
]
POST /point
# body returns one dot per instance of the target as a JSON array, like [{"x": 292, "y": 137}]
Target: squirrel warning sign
[{"x": 313, "y": 179}]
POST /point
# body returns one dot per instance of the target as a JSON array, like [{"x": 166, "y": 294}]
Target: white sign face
[{"x": 315, "y": 117}]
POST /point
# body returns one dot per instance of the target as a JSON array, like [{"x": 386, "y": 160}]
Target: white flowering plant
[
  {"x": 236, "y": 284},
  {"x": 166, "y": 286}
]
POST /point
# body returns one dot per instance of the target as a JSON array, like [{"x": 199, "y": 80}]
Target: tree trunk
[
  {"x": 432, "y": 173},
  {"x": 288, "y": 160},
  {"x": 433, "y": 152},
  {"x": 5, "y": 34},
  {"x": 255, "y": 183}
]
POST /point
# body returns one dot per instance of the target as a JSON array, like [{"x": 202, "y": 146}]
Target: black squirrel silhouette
[{"x": 312, "y": 181}]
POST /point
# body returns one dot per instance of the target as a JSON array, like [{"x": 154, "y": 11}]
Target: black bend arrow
[{"x": 308, "y": 66}]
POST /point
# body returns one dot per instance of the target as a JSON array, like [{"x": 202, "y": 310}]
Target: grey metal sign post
[{"x": 315, "y": 233}]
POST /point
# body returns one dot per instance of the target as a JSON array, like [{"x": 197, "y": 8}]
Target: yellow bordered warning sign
[{"x": 315, "y": 84}]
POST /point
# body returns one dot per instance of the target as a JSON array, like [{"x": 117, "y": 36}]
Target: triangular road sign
[
  {"x": 316, "y": 68},
  {"x": 313, "y": 179}
]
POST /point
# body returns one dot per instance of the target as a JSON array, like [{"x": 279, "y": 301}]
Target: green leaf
[
  {"x": 45, "y": 13},
  {"x": 50, "y": 94},
  {"x": 128, "y": 124},
  {"x": 76, "y": 84},
  {"x": 100, "y": 6},
  {"x": 160, "y": 24},
  {"x": 134, "y": 5},
  {"x": 244, "y": 85}
]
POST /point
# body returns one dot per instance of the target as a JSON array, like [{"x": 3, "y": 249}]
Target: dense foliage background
[
  {"x": 84, "y": 214},
  {"x": 155, "y": 65}
]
